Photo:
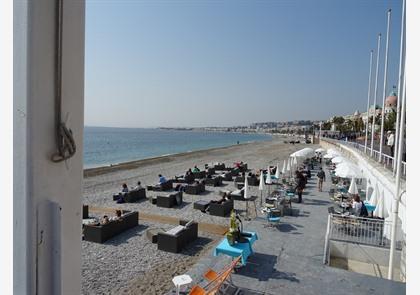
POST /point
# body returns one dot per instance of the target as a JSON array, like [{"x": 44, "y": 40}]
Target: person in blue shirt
[{"x": 162, "y": 179}]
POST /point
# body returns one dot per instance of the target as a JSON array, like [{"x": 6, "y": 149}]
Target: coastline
[{"x": 95, "y": 171}]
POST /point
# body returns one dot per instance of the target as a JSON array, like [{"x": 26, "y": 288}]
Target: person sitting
[
  {"x": 180, "y": 187},
  {"x": 356, "y": 205},
  {"x": 117, "y": 216},
  {"x": 138, "y": 186},
  {"x": 189, "y": 172},
  {"x": 220, "y": 201},
  {"x": 105, "y": 220},
  {"x": 124, "y": 188},
  {"x": 195, "y": 169},
  {"x": 121, "y": 194},
  {"x": 162, "y": 179}
]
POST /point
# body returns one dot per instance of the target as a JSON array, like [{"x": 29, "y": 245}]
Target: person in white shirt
[
  {"x": 356, "y": 205},
  {"x": 390, "y": 142}
]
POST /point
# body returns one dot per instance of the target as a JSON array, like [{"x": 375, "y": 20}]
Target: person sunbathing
[
  {"x": 105, "y": 220},
  {"x": 195, "y": 169}
]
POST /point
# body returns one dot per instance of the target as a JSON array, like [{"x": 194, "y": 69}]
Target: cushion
[
  {"x": 189, "y": 223},
  {"x": 177, "y": 229}
]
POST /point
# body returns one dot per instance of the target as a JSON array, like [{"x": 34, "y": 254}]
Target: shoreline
[{"x": 95, "y": 171}]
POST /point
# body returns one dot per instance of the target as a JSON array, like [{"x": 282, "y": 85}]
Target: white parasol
[
  {"x": 283, "y": 171},
  {"x": 338, "y": 159},
  {"x": 278, "y": 171},
  {"x": 261, "y": 187},
  {"x": 353, "y": 187},
  {"x": 246, "y": 190},
  {"x": 380, "y": 210},
  {"x": 268, "y": 179},
  {"x": 348, "y": 170}
]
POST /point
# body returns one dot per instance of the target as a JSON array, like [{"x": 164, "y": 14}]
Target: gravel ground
[{"x": 130, "y": 263}]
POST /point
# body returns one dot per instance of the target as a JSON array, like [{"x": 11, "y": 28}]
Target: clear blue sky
[{"x": 224, "y": 63}]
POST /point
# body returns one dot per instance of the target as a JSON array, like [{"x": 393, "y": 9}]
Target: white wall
[{"x": 37, "y": 179}]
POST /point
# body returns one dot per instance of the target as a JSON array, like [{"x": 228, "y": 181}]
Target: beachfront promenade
[{"x": 288, "y": 259}]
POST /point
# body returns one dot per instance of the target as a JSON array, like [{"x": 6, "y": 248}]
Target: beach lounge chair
[
  {"x": 214, "y": 181},
  {"x": 166, "y": 186},
  {"x": 215, "y": 280}
]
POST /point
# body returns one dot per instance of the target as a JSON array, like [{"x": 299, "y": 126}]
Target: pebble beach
[{"x": 129, "y": 263}]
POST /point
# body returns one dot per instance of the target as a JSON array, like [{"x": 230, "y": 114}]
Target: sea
[{"x": 104, "y": 146}]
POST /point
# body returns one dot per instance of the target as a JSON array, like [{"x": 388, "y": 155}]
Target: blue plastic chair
[{"x": 272, "y": 220}]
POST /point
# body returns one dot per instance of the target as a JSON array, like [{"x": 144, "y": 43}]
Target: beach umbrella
[
  {"x": 268, "y": 179},
  {"x": 288, "y": 165},
  {"x": 348, "y": 170},
  {"x": 247, "y": 195},
  {"x": 283, "y": 171},
  {"x": 278, "y": 171},
  {"x": 353, "y": 187},
  {"x": 261, "y": 187},
  {"x": 374, "y": 197},
  {"x": 338, "y": 159},
  {"x": 380, "y": 210},
  {"x": 333, "y": 152}
]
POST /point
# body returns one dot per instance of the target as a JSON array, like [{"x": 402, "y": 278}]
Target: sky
[{"x": 230, "y": 63}]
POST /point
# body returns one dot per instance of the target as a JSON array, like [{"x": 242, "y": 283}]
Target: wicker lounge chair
[
  {"x": 223, "y": 209},
  {"x": 174, "y": 243},
  {"x": 195, "y": 188}
]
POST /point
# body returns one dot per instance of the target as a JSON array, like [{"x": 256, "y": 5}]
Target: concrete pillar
[{"x": 48, "y": 237}]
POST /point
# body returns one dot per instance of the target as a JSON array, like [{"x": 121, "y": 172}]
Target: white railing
[
  {"x": 386, "y": 160},
  {"x": 358, "y": 230}
]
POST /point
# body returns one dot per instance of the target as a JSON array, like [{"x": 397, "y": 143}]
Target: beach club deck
[{"x": 288, "y": 258}]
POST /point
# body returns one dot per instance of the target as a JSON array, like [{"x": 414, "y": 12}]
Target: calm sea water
[{"x": 104, "y": 146}]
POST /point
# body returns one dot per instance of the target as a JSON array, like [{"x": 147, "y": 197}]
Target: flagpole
[
  {"x": 367, "y": 112},
  {"x": 397, "y": 197},
  {"x": 400, "y": 70},
  {"x": 381, "y": 140},
  {"x": 375, "y": 94}
]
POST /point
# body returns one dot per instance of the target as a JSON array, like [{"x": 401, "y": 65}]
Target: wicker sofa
[
  {"x": 166, "y": 186},
  {"x": 195, "y": 188},
  {"x": 132, "y": 196},
  {"x": 214, "y": 181},
  {"x": 199, "y": 174},
  {"x": 102, "y": 233},
  {"x": 252, "y": 180},
  {"x": 184, "y": 179},
  {"x": 176, "y": 242},
  {"x": 222, "y": 209},
  {"x": 169, "y": 200}
]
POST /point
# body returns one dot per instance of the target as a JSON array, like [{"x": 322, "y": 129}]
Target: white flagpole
[
  {"x": 367, "y": 113},
  {"x": 397, "y": 197},
  {"x": 381, "y": 140},
  {"x": 400, "y": 70},
  {"x": 378, "y": 53}
]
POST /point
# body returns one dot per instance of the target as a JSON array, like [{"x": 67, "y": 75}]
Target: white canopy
[
  {"x": 333, "y": 152},
  {"x": 348, "y": 170},
  {"x": 268, "y": 179},
  {"x": 320, "y": 150},
  {"x": 329, "y": 156},
  {"x": 288, "y": 165},
  {"x": 353, "y": 187}
]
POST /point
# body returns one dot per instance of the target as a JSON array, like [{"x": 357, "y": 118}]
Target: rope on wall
[{"x": 66, "y": 146}]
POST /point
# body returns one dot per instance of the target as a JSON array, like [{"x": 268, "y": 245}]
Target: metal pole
[
  {"x": 381, "y": 140},
  {"x": 400, "y": 70},
  {"x": 367, "y": 113},
  {"x": 375, "y": 94},
  {"x": 397, "y": 198}
]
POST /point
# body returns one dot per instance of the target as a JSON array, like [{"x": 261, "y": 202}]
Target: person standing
[
  {"x": 391, "y": 142},
  {"x": 321, "y": 178}
]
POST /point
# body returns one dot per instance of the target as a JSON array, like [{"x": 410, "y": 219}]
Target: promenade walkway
[{"x": 288, "y": 258}]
